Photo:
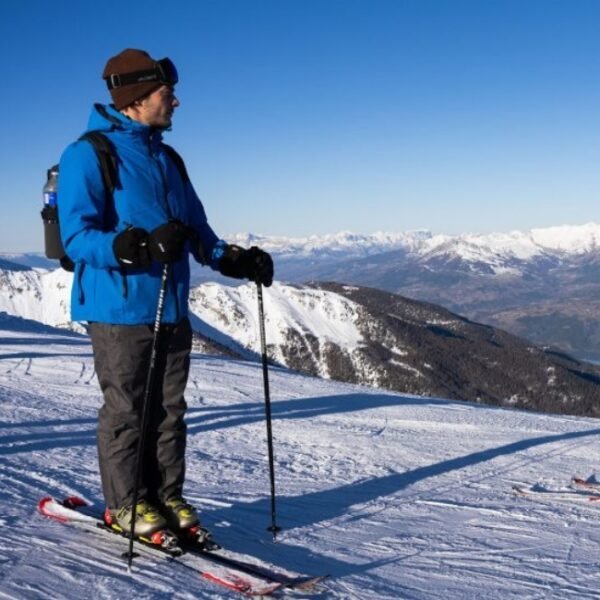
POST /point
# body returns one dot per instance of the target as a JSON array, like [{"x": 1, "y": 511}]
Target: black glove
[
  {"x": 167, "y": 242},
  {"x": 67, "y": 264},
  {"x": 197, "y": 247},
  {"x": 131, "y": 248},
  {"x": 253, "y": 264},
  {"x": 197, "y": 250}
]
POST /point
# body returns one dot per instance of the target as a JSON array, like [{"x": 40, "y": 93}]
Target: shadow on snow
[{"x": 304, "y": 510}]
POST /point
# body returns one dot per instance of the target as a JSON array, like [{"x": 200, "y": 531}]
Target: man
[{"x": 119, "y": 243}]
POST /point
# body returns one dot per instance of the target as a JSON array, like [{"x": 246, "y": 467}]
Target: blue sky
[{"x": 311, "y": 117}]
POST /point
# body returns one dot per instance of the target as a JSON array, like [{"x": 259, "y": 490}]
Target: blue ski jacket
[{"x": 150, "y": 191}]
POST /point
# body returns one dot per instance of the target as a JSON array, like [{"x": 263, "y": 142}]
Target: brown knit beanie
[{"x": 129, "y": 61}]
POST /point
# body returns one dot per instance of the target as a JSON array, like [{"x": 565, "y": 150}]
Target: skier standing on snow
[{"x": 120, "y": 243}]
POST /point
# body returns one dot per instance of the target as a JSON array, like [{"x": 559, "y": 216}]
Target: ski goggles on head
[{"x": 164, "y": 71}]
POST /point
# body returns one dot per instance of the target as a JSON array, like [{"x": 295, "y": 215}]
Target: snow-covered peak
[
  {"x": 574, "y": 239},
  {"x": 344, "y": 244},
  {"x": 472, "y": 247},
  {"x": 485, "y": 248},
  {"x": 524, "y": 245},
  {"x": 520, "y": 245}
]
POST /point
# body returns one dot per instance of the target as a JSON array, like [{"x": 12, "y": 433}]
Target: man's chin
[{"x": 166, "y": 124}]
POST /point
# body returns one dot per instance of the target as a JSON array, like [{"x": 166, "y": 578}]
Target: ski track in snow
[{"x": 394, "y": 496}]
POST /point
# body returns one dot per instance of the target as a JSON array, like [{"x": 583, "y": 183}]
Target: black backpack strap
[
  {"x": 107, "y": 156},
  {"x": 176, "y": 158}
]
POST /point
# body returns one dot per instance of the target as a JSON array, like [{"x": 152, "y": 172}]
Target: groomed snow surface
[{"x": 394, "y": 496}]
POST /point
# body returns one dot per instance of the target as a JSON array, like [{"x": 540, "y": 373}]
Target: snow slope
[
  {"x": 394, "y": 496},
  {"x": 231, "y": 313},
  {"x": 227, "y": 315}
]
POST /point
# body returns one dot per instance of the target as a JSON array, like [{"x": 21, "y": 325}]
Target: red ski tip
[
  {"x": 42, "y": 504},
  {"x": 44, "y": 509}
]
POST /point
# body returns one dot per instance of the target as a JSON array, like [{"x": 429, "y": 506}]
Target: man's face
[{"x": 156, "y": 110}]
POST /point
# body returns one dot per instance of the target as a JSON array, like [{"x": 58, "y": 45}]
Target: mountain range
[{"x": 542, "y": 284}]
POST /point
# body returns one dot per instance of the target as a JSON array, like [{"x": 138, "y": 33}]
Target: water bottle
[
  {"x": 51, "y": 187},
  {"x": 52, "y": 242}
]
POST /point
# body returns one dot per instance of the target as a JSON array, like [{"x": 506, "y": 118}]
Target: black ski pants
[{"x": 121, "y": 358}]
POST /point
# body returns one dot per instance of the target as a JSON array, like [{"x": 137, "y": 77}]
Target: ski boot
[
  {"x": 183, "y": 518},
  {"x": 150, "y": 525}
]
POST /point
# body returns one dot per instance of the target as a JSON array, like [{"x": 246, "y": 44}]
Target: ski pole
[
  {"x": 146, "y": 408},
  {"x": 273, "y": 528}
]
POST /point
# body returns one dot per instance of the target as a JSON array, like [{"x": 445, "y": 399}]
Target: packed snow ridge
[{"x": 393, "y": 496}]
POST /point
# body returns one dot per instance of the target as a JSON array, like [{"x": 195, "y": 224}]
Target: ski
[
  {"x": 234, "y": 560},
  {"x": 539, "y": 492},
  {"x": 236, "y": 572},
  {"x": 585, "y": 484}
]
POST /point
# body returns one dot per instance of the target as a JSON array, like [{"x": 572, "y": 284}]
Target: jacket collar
[{"x": 107, "y": 118}]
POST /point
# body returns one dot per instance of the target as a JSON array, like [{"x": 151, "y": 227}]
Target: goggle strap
[{"x": 115, "y": 81}]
